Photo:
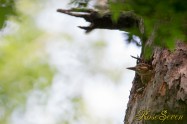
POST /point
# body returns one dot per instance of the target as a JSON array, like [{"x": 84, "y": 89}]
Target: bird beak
[{"x": 132, "y": 68}]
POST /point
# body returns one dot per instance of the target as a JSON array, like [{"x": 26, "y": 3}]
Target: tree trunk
[{"x": 164, "y": 98}]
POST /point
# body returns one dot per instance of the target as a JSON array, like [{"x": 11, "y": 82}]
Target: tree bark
[
  {"x": 164, "y": 98},
  {"x": 165, "y": 94}
]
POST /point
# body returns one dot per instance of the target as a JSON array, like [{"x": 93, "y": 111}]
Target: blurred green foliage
[
  {"x": 168, "y": 16},
  {"x": 23, "y": 63},
  {"x": 116, "y": 9},
  {"x": 167, "y": 19},
  {"x": 7, "y": 8}
]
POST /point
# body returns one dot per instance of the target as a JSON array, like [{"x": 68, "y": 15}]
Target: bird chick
[{"x": 144, "y": 71}]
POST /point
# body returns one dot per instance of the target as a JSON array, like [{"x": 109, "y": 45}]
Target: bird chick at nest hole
[{"x": 144, "y": 71}]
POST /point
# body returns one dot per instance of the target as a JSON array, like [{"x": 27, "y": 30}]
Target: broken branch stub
[{"x": 99, "y": 20}]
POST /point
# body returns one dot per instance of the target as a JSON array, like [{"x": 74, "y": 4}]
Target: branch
[
  {"x": 138, "y": 58},
  {"x": 71, "y": 12},
  {"x": 99, "y": 20}
]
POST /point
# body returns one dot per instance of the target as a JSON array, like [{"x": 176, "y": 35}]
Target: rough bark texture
[
  {"x": 164, "y": 98},
  {"x": 166, "y": 91}
]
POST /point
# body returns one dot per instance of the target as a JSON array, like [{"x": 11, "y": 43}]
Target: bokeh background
[{"x": 51, "y": 72}]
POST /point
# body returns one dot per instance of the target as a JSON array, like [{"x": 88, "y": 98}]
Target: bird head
[{"x": 141, "y": 69}]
